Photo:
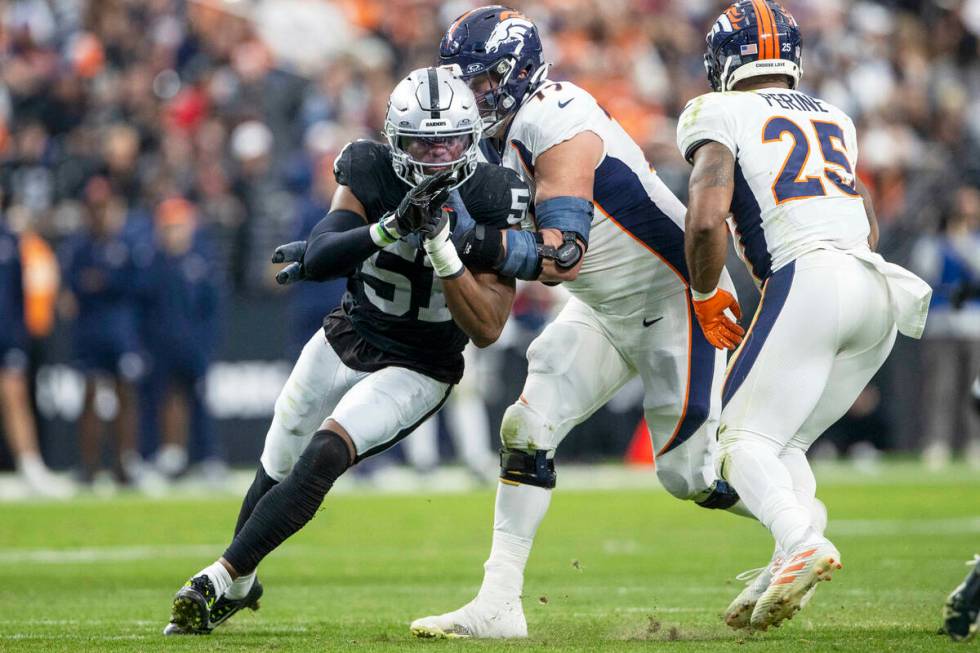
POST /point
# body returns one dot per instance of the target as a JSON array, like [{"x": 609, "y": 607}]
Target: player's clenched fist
[{"x": 720, "y": 330}]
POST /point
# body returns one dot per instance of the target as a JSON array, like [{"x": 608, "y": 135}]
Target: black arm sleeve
[{"x": 336, "y": 245}]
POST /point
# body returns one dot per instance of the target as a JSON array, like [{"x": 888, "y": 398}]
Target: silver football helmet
[{"x": 432, "y": 124}]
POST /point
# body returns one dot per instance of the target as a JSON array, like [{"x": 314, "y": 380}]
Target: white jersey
[
  {"x": 636, "y": 245},
  {"x": 795, "y": 158}
]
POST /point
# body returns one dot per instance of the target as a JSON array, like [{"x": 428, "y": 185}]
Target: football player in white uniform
[
  {"x": 608, "y": 227},
  {"x": 779, "y": 166}
]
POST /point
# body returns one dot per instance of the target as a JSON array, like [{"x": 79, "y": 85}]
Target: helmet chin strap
[
  {"x": 724, "y": 74},
  {"x": 538, "y": 77}
]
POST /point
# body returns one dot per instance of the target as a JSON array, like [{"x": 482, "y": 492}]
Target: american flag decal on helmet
[{"x": 751, "y": 48}]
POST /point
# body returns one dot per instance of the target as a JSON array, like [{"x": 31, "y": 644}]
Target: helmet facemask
[
  {"x": 432, "y": 124},
  {"x": 492, "y": 99},
  {"x": 490, "y": 87},
  {"x": 418, "y": 154}
]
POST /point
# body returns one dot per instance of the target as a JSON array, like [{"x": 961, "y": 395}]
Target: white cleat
[
  {"x": 45, "y": 484},
  {"x": 793, "y": 583},
  {"x": 480, "y": 618},
  {"x": 739, "y": 612}
]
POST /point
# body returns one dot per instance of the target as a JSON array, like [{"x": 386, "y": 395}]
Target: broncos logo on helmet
[
  {"x": 735, "y": 16},
  {"x": 512, "y": 31},
  {"x": 497, "y": 50},
  {"x": 753, "y": 38}
]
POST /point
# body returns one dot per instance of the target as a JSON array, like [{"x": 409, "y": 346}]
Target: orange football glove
[{"x": 718, "y": 328}]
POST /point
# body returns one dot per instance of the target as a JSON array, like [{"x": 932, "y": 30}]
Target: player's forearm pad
[
  {"x": 521, "y": 260},
  {"x": 480, "y": 248},
  {"x": 566, "y": 214}
]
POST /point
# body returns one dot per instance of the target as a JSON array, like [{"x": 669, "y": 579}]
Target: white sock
[
  {"x": 471, "y": 432},
  {"x": 31, "y": 464},
  {"x": 766, "y": 488},
  {"x": 241, "y": 586},
  {"x": 219, "y": 577},
  {"x": 805, "y": 487},
  {"x": 517, "y": 514},
  {"x": 422, "y": 448}
]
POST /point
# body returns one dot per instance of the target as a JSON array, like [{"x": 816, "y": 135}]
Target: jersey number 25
[{"x": 790, "y": 184}]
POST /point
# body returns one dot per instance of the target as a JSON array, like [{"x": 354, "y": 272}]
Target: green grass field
[{"x": 611, "y": 570}]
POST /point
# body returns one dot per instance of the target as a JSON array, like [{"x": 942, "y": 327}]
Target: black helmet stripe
[{"x": 434, "y": 93}]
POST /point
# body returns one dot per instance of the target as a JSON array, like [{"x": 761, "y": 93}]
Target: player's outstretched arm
[
  {"x": 869, "y": 209},
  {"x": 706, "y": 243},
  {"x": 480, "y": 302},
  {"x": 337, "y": 243},
  {"x": 566, "y": 170}
]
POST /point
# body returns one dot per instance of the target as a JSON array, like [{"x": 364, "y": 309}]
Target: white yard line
[
  {"x": 882, "y": 527},
  {"x": 96, "y": 554},
  {"x": 102, "y": 554}
]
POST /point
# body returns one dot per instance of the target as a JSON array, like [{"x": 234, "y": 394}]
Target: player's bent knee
[
  {"x": 736, "y": 445},
  {"x": 676, "y": 483},
  {"x": 528, "y": 468},
  {"x": 522, "y": 428},
  {"x": 325, "y": 458}
]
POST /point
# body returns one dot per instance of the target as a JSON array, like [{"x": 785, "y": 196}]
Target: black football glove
[
  {"x": 291, "y": 253},
  {"x": 419, "y": 205}
]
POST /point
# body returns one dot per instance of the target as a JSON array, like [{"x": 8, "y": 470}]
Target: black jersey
[{"x": 394, "y": 312}]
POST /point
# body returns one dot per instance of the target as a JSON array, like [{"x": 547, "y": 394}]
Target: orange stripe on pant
[{"x": 690, "y": 327}]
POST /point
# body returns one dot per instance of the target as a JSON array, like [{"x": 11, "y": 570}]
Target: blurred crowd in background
[{"x": 154, "y": 152}]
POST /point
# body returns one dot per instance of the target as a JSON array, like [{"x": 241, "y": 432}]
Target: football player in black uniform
[{"x": 388, "y": 358}]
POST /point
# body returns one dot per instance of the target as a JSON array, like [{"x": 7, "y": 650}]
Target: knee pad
[
  {"x": 533, "y": 468},
  {"x": 521, "y": 428},
  {"x": 325, "y": 458}
]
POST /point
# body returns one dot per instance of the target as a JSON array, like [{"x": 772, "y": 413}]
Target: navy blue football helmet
[
  {"x": 498, "y": 52},
  {"x": 753, "y": 38}
]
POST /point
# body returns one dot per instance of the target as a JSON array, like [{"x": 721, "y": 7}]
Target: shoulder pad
[
  {"x": 365, "y": 167},
  {"x": 709, "y": 117},
  {"x": 495, "y": 196},
  {"x": 359, "y": 157}
]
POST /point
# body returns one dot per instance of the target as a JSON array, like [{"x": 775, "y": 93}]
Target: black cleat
[
  {"x": 224, "y": 607},
  {"x": 961, "y": 613},
  {"x": 221, "y": 611},
  {"x": 191, "y": 611}
]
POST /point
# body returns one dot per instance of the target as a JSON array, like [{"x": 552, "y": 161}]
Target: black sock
[
  {"x": 289, "y": 505},
  {"x": 261, "y": 484}
]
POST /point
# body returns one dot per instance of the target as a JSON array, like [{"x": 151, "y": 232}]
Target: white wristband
[
  {"x": 702, "y": 296},
  {"x": 380, "y": 233},
  {"x": 442, "y": 254}
]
